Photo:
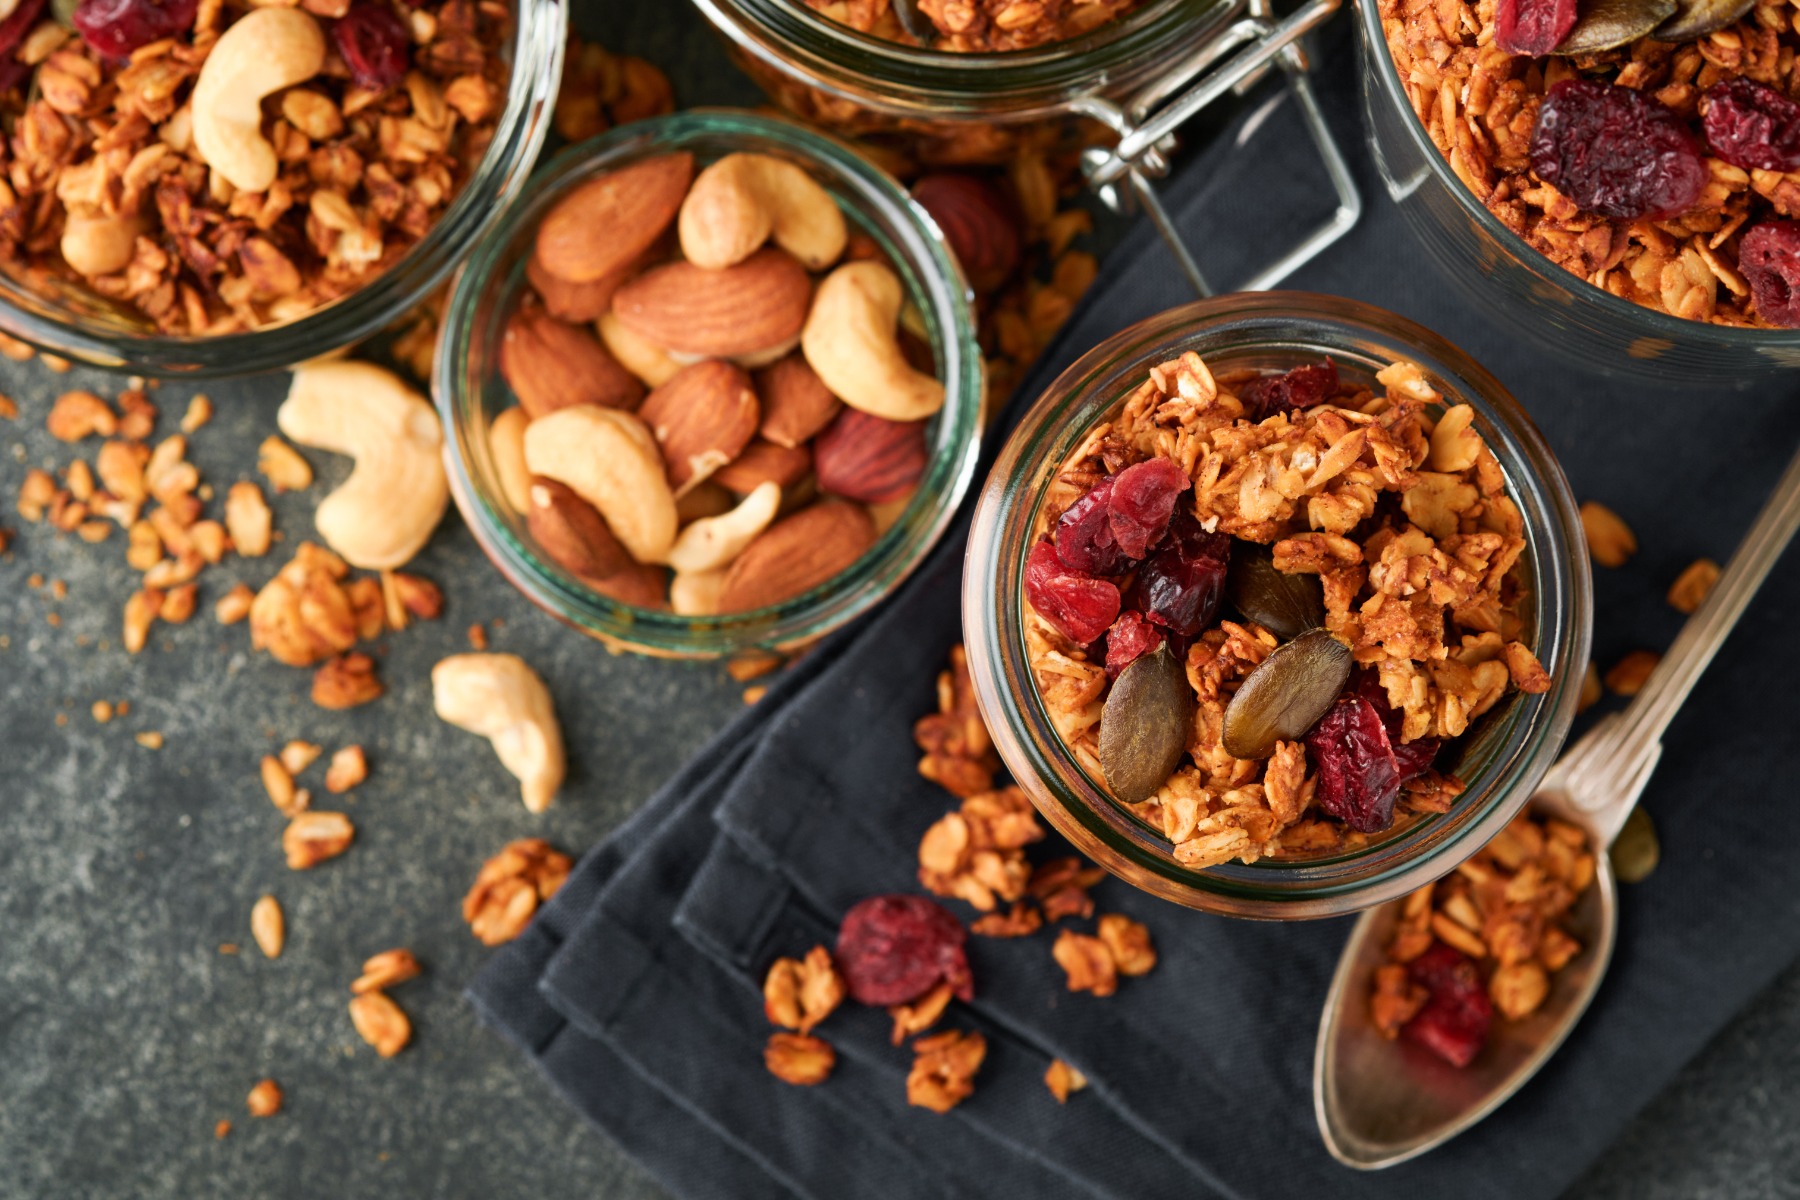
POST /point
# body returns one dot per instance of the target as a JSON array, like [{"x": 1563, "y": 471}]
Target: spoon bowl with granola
[{"x": 1270, "y": 602}]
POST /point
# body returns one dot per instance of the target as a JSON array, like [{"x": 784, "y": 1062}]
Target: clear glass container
[
  {"x": 1500, "y": 760},
  {"x": 470, "y": 390},
  {"x": 78, "y": 325},
  {"x": 1537, "y": 299}
]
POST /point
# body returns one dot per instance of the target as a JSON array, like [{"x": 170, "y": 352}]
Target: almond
[
  {"x": 978, "y": 222},
  {"x": 578, "y": 302},
  {"x": 551, "y": 364},
  {"x": 797, "y": 554},
  {"x": 571, "y": 531},
  {"x": 703, "y": 418},
  {"x": 639, "y": 585},
  {"x": 795, "y": 404},
  {"x": 601, "y": 226},
  {"x": 870, "y": 459},
  {"x": 763, "y": 462},
  {"x": 757, "y": 305}
]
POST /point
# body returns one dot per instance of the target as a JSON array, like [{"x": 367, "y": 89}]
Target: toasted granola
[
  {"x": 1388, "y": 498},
  {"x": 108, "y": 191},
  {"x": 979, "y": 26}
]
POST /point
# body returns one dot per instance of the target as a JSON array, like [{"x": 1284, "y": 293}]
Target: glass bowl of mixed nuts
[
  {"x": 712, "y": 386},
  {"x": 204, "y": 188},
  {"x": 1620, "y": 181},
  {"x": 1275, "y": 605}
]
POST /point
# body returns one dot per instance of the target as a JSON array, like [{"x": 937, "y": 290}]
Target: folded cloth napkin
[{"x": 636, "y": 989}]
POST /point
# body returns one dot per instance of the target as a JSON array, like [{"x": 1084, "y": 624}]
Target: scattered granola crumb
[
  {"x": 199, "y": 412},
  {"x": 228, "y": 948},
  {"x": 510, "y": 886},
  {"x": 1063, "y": 1080},
  {"x": 9, "y": 410},
  {"x": 384, "y": 970},
  {"x": 1087, "y": 962},
  {"x": 102, "y": 711},
  {"x": 921, "y": 1014},
  {"x": 943, "y": 1070},
  {"x": 234, "y": 605},
  {"x": 349, "y": 767},
  {"x": 222, "y": 1130},
  {"x": 1628, "y": 674},
  {"x": 62, "y": 718},
  {"x": 1609, "y": 539},
  {"x": 312, "y": 837},
  {"x": 1591, "y": 689},
  {"x": 346, "y": 681},
  {"x": 282, "y": 465},
  {"x": 752, "y": 664},
  {"x": 1693, "y": 585},
  {"x": 798, "y": 994},
  {"x": 278, "y": 782},
  {"x": 264, "y": 1099},
  {"x": 959, "y": 755},
  {"x": 977, "y": 853},
  {"x": 799, "y": 1058},
  {"x": 478, "y": 638},
  {"x": 752, "y": 695},
  {"x": 1129, "y": 942},
  {"x": 150, "y": 739},
  {"x": 381, "y": 1023},
  {"x": 268, "y": 925},
  {"x": 296, "y": 756}
]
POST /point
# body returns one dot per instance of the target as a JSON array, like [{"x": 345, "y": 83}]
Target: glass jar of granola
[
  {"x": 207, "y": 189},
  {"x": 1466, "y": 701},
  {"x": 707, "y": 530},
  {"x": 1660, "y": 298}
]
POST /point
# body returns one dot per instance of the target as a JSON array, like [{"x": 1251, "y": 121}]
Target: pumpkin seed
[
  {"x": 1285, "y": 605},
  {"x": 1606, "y": 24},
  {"x": 1697, "y": 18},
  {"x": 1636, "y": 851},
  {"x": 1287, "y": 695},
  {"x": 1145, "y": 725}
]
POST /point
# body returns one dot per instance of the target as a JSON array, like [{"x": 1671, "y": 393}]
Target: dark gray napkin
[{"x": 1209, "y": 1056}]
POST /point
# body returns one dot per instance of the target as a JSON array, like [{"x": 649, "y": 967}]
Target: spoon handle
[{"x": 1638, "y": 736}]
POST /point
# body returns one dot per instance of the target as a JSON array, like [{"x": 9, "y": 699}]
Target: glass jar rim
[
  {"x": 1529, "y": 736},
  {"x": 1035, "y": 82},
  {"x": 948, "y": 302},
  {"x": 540, "y": 33},
  {"x": 1655, "y": 324}
]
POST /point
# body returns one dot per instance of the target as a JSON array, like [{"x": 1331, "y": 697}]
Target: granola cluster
[
  {"x": 979, "y": 26},
  {"x": 1480, "y": 107},
  {"x": 1388, "y": 497},
  {"x": 107, "y": 188}
]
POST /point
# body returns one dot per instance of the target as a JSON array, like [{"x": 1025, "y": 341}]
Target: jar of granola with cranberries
[
  {"x": 1275, "y": 605},
  {"x": 1619, "y": 182}
]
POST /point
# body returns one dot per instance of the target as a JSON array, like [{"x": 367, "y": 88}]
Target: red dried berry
[
  {"x": 1616, "y": 151},
  {"x": 1084, "y": 537},
  {"x": 1079, "y": 605},
  {"x": 1302, "y": 387},
  {"x": 1142, "y": 500},
  {"x": 1130, "y": 638},
  {"x": 979, "y": 222},
  {"x": 1181, "y": 585},
  {"x": 1769, "y": 257},
  {"x": 1412, "y": 758},
  {"x": 375, "y": 44},
  {"x": 894, "y": 949},
  {"x": 114, "y": 28},
  {"x": 1533, "y": 27},
  {"x": 1455, "y": 1020},
  {"x": 1359, "y": 778},
  {"x": 1753, "y": 126}
]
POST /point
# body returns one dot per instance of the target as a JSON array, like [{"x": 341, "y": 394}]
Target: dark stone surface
[{"x": 125, "y": 1034}]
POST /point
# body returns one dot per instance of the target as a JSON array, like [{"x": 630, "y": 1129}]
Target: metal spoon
[{"x": 1381, "y": 1102}]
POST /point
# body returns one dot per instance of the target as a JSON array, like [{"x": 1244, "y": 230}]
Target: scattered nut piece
[
  {"x": 296, "y": 756},
  {"x": 346, "y": 682},
  {"x": 222, "y": 1130},
  {"x": 282, "y": 465},
  {"x": 509, "y": 888},
  {"x": 312, "y": 837},
  {"x": 264, "y": 1099},
  {"x": 1609, "y": 539},
  {"x": 798, "y": 1058},
  {"x": 1628, "y": 674},
  {"x": 384, "y": 970},
  {"x": 478, "y": 638},
  {"x": 943, "y": 1070},
  {"x": 77, "y": 415},
  {"x": 1693, "y": 585},
  {"x": 1063, "y": 1080},
  {"x": 378, "y": 1020},
  {"x": 102, "y": 711},
  {"x": 501, "y": 698},
  {"x": 349, "y": 767},
  {"x": 140, "y": 610},
  {"x": 268, "y": 926},
  {"x": 278, "y": 782},
  {"x": 799, "y": 994}
]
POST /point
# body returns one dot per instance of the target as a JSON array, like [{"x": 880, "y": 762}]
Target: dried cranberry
[
  {"x": 1412, "y": 758},
  {"x": 1616, "y": 151},
  {"x": 1301, "y": 387},
  {"x": 375, "y": 44},
  {"x": 114, "y": 28},
  {"x": 1142, "y": 500},
  {"x": 1359, "y": 778},
  {"x": 1454, "y": 1022},
  {"x": 1130, "y": 638},
  {"x": 13, "y": 74},
  {"x": 1753, "y": 126},
  {"x": 1084, "y": 537},
  {"x": 1079, "y": 605},
  {"x": 1534, "y": 27},
  {"x": 1769, "y": 257},
  {"x": 894, "y": 949},
  {"x": 1180, "y": 586}
]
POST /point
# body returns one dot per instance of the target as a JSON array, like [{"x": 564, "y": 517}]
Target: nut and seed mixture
[
  {"x": 978, "y": 26},
  {"x": 1704, "y": 229},
  {"x": 1485, "y": 941},
  {"x": 116, "y": 184},
  {"x": 1365, "y": 543}
]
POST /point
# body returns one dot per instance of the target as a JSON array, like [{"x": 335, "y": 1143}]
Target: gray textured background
[{"x": 125, "y": 1034}]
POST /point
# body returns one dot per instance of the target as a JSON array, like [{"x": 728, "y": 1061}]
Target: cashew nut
[
  {"x": 742, "y": 200},
  {"x": 643, "y": 358},
  {"x": 506, "y": 439},
  {"x": 712, "y": 542},
  {"x": 384, "y": 513},
  {"x": 97, "y": 244},
  {"x": 850, "y": 341},
  {"x": 260, "y": 53},
  {"x": 609, "y": 459},
  {"x": 503, "y": 700},
  {"x": 697, "y": 593}
]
